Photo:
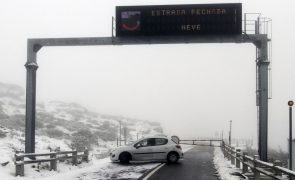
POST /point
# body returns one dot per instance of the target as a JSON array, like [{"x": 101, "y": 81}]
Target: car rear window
[
  {"x": 175, "y": 139},
  {"x": 160, "y": 141}
]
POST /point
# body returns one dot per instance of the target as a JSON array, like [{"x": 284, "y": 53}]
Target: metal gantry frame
[{"x": 259, "y": 40}]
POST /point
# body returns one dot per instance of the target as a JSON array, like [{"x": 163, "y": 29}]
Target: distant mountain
[{"x": 62, "y": 122}]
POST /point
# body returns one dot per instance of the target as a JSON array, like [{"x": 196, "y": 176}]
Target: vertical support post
[
  {"x": 223, "y": 148},
  {"x": 125, "y": 135},
  {"x": 53, "y": 163},
  {"x": 120, "y": 133},
  {"x": 19, "y": 165},
  {"x": 229, "y": 137},
  {"x": 245, "y": 22},
  {"x": 262, "y": 66},
  {"x": 74, "y": 158},
  {"x": 112, "y": 26},
  {"x": 290, "y": 138},
  {"x": 31, "y": 67},
  {"x": 238, "y": 162},
  {"x": 256, "y": 173},
  {"x": 228, "y": 152},
  {"x": 245, "y": 167}
]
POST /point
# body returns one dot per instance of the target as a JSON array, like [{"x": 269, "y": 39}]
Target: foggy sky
[{"x": 193, "y": 90}]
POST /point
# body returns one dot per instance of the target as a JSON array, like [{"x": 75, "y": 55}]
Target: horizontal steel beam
[
  {"x": 203, "y": 140},
  {"x": 89, "y": 41}
]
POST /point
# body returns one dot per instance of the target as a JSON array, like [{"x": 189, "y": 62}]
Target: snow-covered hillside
[{"x": 61, "y": 125}]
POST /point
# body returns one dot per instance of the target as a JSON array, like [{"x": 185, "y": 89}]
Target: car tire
[
  {"x": 125, "y": 158},
  {"x": 172, "y": 157}
]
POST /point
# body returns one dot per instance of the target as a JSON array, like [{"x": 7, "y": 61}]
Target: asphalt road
[{"x": 196, "y": 165}]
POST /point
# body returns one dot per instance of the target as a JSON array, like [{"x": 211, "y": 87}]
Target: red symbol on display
[{"x": 130, "y": 20}]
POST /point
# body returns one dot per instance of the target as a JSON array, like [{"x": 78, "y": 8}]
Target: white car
[{"x": 148, "y": 148}]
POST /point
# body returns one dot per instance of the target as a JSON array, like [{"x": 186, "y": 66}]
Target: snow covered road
[{"x": 101, "y": 169}]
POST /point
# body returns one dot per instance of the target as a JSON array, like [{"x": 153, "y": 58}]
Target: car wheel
[
  {"x": 124, "y": 158},
  {"x": 172, "y": 157}
]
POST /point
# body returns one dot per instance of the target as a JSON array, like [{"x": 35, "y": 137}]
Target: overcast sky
[{"x": 193, "y": 90}]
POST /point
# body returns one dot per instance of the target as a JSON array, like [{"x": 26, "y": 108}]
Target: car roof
[{"x": 155, "y": 136}]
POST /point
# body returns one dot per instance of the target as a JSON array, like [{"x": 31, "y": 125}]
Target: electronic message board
[{"x": 198, "y": 19}]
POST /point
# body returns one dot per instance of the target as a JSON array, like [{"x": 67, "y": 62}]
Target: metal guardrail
[
  {"x": 254, "y": 166},
  {"x": 53, "y": 158},
  {"x": 197, "y": 142}
]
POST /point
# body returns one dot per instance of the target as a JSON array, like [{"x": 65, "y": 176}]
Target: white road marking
[{"x": 153, "y": 172}]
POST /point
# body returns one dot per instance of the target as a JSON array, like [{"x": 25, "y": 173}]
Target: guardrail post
[
  {"x": 224, "y": 151},
  {"x": 256, "y": 173},
  {"x": 85, "y": 155},
  {"x": 238, "y": 162},
  {"x": 245, "y": 167},
  {"x": 19, "y": 168},
  {"x": 232, "y": 153},
  {"x": 275, "y": 171},
  {"x": 227, "y": 152},
  {"x": 74, "y": 158},
  {"x": 53, "y": 163}
]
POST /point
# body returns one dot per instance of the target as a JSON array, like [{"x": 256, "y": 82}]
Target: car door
[
  {"x": 160, "y": 149},
  {"x": 143, "y": 150}
]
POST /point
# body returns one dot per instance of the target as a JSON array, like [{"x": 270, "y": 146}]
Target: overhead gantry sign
[
  {"x": 259, "y": 40},
  {"x": 197, "y": 19}
]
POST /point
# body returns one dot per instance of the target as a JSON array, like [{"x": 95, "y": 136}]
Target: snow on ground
[
  {"x": 224, "y": 167},
  {"x": 95, "y": 169},
  {"x": 105, "y": 169}
]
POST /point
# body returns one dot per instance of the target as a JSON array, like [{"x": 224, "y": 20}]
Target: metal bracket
[{"x": 31, "y": 65}]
